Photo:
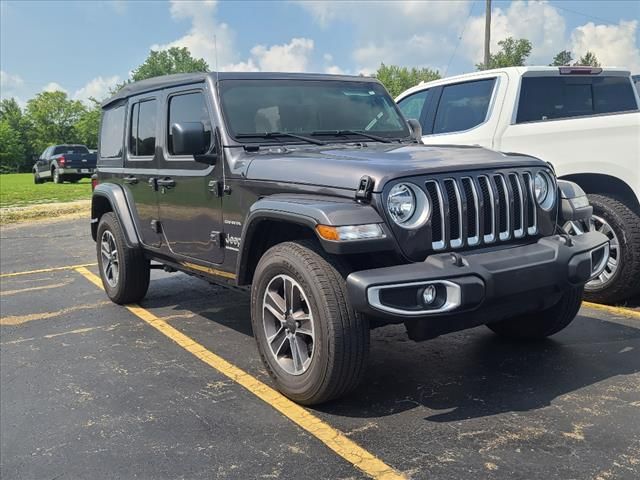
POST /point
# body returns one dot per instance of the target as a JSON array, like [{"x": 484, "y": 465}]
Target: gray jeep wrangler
[{"x": 312, "y": 192}]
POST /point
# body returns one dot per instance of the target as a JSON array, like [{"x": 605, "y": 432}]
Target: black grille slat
[
  {"x": 503, "y": 202},
  {"x": 531, "y": 211},
  {"x": 517, "y": 202},
  {"x": 472, "y": 208},
  {"x": 436, "y": 215},
  {"x": 454, "y": 213}
]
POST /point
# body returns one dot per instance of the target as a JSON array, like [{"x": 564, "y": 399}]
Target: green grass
[{"x": 18, "y": 190}]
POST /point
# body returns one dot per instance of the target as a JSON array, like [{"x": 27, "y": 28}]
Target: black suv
[{"x": 312, "y": 191}]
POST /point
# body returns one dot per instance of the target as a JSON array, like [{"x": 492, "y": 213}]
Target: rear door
[
  {"x": 190, "y": 209},
  {"x": 141, "y": 165}
]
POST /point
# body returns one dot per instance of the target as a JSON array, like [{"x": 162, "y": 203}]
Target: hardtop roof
[{"x": 177, "y": 79}]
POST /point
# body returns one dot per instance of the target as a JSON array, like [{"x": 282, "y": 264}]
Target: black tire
[
  {"x": 625, "y": 223},
  {"x": 133, "y": 268},
  {"x": 55, "y": 175},
  {"x": 341, "y": 344},
  {"x": 544, "y": 323},
  {"x": 36, "y": 178}
]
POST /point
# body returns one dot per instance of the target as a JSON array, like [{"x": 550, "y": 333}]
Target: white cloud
[
  {"x": 200, "y": 38},
  {"x": 406, "y": 32},
  {"x": 537, "y": 21},
  {"x": 9, "y": 81},
  {"x": 97, "y": 88},
  {"x": 613, "y": 45},
  {"x": 118, "y": 6},
  {"x": 53, "y": 87},
  {"x": 289, "y": 57}
]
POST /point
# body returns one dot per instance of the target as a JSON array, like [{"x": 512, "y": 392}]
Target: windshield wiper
[
  {"x": 280, "y": 134},
  {"x": 343, "y": 133}
]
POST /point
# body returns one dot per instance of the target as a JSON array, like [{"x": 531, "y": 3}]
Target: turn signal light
[{"x": 350, "y": 232}]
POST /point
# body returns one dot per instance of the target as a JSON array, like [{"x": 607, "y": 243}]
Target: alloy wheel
[
  {"x": 288, "y": 324},
  {"x": 110, "y": 260}
]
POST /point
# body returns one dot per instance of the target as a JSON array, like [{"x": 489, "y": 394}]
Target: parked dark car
[
  {"x": 312, "y": 192},
  {"x": 64, "y": 162}
]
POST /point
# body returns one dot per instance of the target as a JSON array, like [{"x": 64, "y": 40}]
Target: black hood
[{"x": 343, "y": 166}]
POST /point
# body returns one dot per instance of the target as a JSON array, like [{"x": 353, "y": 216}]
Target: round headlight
[
  {"x": 408, "y": 205},
  {"x": 401, "y": 203},
  {"x": 544, "y": 191}
]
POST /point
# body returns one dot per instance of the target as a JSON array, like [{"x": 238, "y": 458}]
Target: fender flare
[
  {"x": 114, "y": 194},
  {"x": 309, "y": 212}
]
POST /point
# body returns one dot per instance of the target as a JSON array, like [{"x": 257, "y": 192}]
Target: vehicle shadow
[
  {"x": 476, "y": 374},
  {"x": 464, "y": 375}
]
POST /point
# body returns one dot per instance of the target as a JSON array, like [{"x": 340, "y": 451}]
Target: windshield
[{"x": 320, "y": 109}]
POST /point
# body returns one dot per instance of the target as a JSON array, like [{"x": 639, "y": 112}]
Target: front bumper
[{"x": 529, "y": 276}]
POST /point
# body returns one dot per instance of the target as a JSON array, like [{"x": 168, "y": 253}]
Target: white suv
[{"x": 584, "y": 121}]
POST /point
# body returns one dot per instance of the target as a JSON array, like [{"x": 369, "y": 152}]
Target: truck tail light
[
  {"x": 61, "y": 160},
  {"x": 94, "y": 182},
  {"x": 580, "y": 70}
]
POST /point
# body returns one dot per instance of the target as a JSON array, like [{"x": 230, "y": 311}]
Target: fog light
[{"x": 429, "y": 295}]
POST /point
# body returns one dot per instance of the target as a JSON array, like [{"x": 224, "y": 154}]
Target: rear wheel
[
  {"x": 544, "y": 323},
  {"x": 124, "y": 270},
  {"x": 57, "y": 178},
  {"x": 311, "y": 341}
]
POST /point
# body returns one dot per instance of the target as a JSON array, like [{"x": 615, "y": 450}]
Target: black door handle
[
  {"x": 130, "y": 179},
  {"x": 166, "y": 182}
]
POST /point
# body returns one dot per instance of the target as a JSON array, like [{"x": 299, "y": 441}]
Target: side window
[
  {"x": 111, "y": 133},
  {"x": 188, "y": 107},
  {"x": 548, "y": 98},
  {"x": 45, "y": 154},
  {"x": 142, "y": 140},
  {"x": 463, "y": 106},
  {"x": 411, "y": 106}
]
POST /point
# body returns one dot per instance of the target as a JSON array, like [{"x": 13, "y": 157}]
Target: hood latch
[{"x": 365, "y": 188}]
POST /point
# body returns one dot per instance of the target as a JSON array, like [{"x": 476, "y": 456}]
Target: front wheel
[
  {"x": 542, "y": 324},
  {"x": 36, "y": 178},
  {"x": 124, "y": 271},
  {"x": 311, "y": 341}
]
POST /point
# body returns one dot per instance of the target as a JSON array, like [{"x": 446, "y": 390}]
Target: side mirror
[
  {"x": 188, "y": 138},
  {"x": 416, "y": 129}
]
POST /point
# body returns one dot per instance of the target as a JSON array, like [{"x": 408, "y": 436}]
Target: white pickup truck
[{"x": 585, "y": 121}]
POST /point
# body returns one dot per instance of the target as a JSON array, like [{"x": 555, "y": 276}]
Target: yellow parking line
[
  {"x": 624, "y": 312},
  {"x": 332, "y": 438},
  {"x": 47, "y": 270}
]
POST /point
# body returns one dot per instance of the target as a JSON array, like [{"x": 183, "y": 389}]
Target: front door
[
  {"x": 190, "y": 210},
  {"x": 142, "y": 167}
]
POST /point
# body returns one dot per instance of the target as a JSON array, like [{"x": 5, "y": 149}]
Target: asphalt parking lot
[{"x": 176, "y": 389}]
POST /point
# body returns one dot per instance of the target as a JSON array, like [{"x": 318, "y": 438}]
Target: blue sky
[{"x": 85, "y": 47}]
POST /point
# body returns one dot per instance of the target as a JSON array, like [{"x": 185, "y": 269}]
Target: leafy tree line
[{"x": 52, "y": 117}]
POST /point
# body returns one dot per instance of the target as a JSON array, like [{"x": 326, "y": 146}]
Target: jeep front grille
[{"x": 481, "y": 209}]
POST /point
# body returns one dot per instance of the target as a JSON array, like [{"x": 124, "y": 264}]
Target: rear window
[
  {"x": 111, "y": 132},
  {"x": 143, "y": 129},
  {"x": 70, "y": 149},
  {"x": 548, "y": 98}
]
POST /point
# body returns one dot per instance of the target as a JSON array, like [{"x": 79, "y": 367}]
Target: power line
[{"x": 464, "y": 27}]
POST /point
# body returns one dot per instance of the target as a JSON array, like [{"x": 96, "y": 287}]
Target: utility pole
[{"x": 487, "y": 34}]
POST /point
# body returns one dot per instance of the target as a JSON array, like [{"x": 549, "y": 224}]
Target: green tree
[
  {"x": 11, "y": 148},
  {"x": 53, "y": 118},
  {"x": 513, "y": 53},
  {"x": 166, "y": 62},
  {"x": 88, "y": 124},
  {"x": 397, "y": 79},
  {"x": 561, "y": 59},
  {"x": 589, "y": 60},
  {"x": 11, "y": 113}
]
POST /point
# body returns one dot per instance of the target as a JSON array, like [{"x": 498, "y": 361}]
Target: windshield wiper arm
[
  {"x": 280, "y": 134},
  {"x": 352, "y": 132}
]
